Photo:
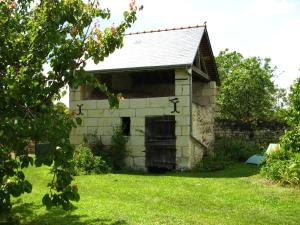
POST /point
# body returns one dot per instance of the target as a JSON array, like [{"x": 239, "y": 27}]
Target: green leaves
[
  {"x": 43, "y": 48},
  {"x": 247, "y": 90}
]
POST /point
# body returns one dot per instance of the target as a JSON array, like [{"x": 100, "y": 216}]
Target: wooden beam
[{"x": 200, "y": 73}]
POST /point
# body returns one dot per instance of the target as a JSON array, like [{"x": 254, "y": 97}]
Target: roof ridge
[{"x": 167, "y": 29}]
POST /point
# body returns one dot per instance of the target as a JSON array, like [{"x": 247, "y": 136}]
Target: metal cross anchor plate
[
  {"x": 174, "y": 101},
  {"x": 79, "y": 109}
]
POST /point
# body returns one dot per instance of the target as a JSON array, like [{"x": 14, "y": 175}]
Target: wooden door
[{"x": 160, "y": 142}]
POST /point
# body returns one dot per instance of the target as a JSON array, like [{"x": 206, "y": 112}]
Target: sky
[{"x": 263, "y": 28}]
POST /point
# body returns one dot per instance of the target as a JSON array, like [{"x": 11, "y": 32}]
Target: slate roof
[{"x": 173, "y": 48}]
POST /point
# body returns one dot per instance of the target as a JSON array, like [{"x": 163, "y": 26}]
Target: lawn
[{"x": 236, "y": 195}]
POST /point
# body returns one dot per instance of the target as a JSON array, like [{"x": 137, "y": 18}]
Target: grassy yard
[{"x": 236, "y": 195}]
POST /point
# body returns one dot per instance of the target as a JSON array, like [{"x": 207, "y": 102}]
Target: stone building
[{"x": 168, "y": 79}]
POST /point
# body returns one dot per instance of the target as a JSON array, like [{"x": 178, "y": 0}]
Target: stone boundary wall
[{"x": 263, "y": 134}]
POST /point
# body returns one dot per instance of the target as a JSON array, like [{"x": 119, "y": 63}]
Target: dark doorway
[{"x": 160, "y": 142}]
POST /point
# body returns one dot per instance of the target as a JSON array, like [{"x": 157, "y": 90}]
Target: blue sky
[{"x": 264, "y": 28}]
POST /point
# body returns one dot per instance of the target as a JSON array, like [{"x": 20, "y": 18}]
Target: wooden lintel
[{"x": 200, "y": 73}]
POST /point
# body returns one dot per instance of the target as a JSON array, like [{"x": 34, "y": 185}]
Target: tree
[
  {"x": 63, "y": 35},
  {"x": 283, "y": 165},
  {"x": 247, "y": 93},
  {"x": 291, "y": 139}
]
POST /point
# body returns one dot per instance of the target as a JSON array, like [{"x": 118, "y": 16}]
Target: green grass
[{"x": 236, "y": 195}]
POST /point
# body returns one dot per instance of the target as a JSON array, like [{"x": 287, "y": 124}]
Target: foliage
[
  {"x": 284, "y": 166},
  {"x": 118, "y": 148},
  {"x": 61, "y": 35},
  {"x": 291, "y": 139},
  {"x": 86, "y": 162},
  {"x": 247, "y": 91},
  {"x": 228, "y": 151},
  {"x": 93, "y": 141}
]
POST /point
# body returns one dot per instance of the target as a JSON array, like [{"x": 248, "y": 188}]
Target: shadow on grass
[
  {"x": 57, "y": 216},
  {"x": 232, "y": 171}
]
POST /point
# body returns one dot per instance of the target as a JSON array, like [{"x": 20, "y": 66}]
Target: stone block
[
  {"x": 183, "y": 101},
  {"x": 73, "y": 105},
  {"x": 127, "y": 112},
  {"x": 150, "y": 112},
  {"x": 106, "y": 139},
  {"x": 138, "y": 121},
  {"x": 80, "y": 130},
  {"x": 103, "y": 104},
  {"x": 137, "y": 140},
  {"x": 185, "y": 90},
  {"x": 185, "y": 152},
  {"x": 111, "y": 113},
  {"x": 209, "y": 92},
  {"x": 169, "y": 111},
  {"x": 212, "y": 84},
  {"x": 182, "y": 120},
  {"x": 139, "y": 162},
  {"x": 89, "y": 104},
  {"x": 159, "y": 102},
  {"x": 76, "y": 139},
  {"x": 116, "y": 121},
  {"x": 107, "y": 131},
  {"x": 129, "y": 161},
  {"x": 102, "y": 122},
  {"x": 185, "y": 130},
  {"x": 183, "y": 163},
  {"x": 94, "y": 130},
  {"x": 181, "y": 81},
  {"x": 178, "y": 130},
  {"x": 94, "y": 113},
  {"x": 90, "y": 122},
  {"x": 212, "y": 100},
  {"x": 186, "y": 110},
  {"x": 137, "y": 150},
  {"x": 124, "y": 104},
  {"x": 138, "y": 131},
  {"x": 181, "y": 73},
  {"x": 138, "y": 103},
  {"x": 182, "y": 141}
]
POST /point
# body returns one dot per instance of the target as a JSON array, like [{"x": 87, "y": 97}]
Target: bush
[
  {"x": 282, "y": 168},
  {"x": 226, "y": 152},
  {"x": 86, "y": 163},
  {"x": 94, "y": 143},
  {"x": 238, "y": 150},
  {"x": 119, "y": 150}
]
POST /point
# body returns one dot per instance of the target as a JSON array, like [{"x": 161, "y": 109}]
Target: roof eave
[{"x": 136, "y": 69}]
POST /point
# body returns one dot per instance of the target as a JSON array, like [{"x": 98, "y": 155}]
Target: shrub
[
  {"x": 226, "y": 152},
  {"x": 283, "y": 169},
  {"x": 86, "y": 163},
  {"x": 118, "y": 149},
  {"x": 284, "y": 166},
  {"x": 237, "y": 150},
  {"x": 94, "y": 143}
]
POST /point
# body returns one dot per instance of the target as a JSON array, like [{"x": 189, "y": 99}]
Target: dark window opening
[
  {"x": 126, "y": 125},
  {"x": 142, "y": 84}
]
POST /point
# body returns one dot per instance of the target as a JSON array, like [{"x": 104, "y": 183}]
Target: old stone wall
[
  {"x": 97, "y": 116},
  {"x": 262, "y": 134},
  {"x": 203, "y": 111}
]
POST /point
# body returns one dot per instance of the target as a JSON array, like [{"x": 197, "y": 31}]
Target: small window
[{"x": 126, "y": 125}]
